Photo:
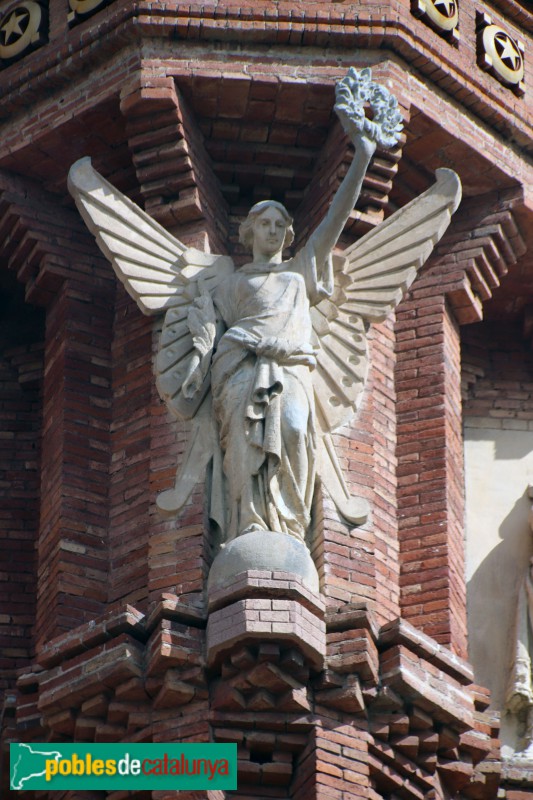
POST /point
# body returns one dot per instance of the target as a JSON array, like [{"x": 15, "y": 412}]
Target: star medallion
[
  {"x": 502, "y": 56},
  {"x": 447, "y": 8},
  {"x": 15, "y": 25},
  {"x": 507, "y": 50}
]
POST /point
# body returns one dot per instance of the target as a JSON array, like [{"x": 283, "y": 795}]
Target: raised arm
[
  {"x": 326, "y": 235},
  {"x": 352, "y": 92}
]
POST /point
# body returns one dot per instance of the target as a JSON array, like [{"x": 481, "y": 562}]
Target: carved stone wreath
[{"x": 356, "y": 90}]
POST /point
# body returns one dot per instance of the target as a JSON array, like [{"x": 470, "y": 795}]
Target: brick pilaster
[
  {"x": 430, "y": 468},
  {"x": 334, "y": 765},
  {"x": 360, "y": 563},
  {"x": 481, "y": 244},
  {"x": 20, "y": 421},
  {"x": 129, "y": 495},
  {"x": 48, "y": 249},
  {"x": 72, "y": 549}
]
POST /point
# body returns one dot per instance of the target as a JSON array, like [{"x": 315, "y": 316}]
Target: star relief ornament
[
  {"x": 441, "y": 15},
  {"x": 22, "y": 29},
  {"x": 15, "y": 25},
  {"x": 500, "y": 54},
  {"x": 446, "y": 7},
  {"x": 507, "y": 50}
]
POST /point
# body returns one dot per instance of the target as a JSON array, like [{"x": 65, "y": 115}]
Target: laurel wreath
[{"x": 352, "y": 93}]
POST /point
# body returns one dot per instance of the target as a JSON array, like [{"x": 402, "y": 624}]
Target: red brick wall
[
  {"x": 149, "y": 554},
  {"x": 21, "y": 372},
  {"x": 129, "y": 490},
  {"x": 497, "y": 376},
  {"x": 359, "y": 564},
  {"x": 430, "y": 464},
  {"x": 384, "y": 469},
  {"x": 73, "y": 547}
]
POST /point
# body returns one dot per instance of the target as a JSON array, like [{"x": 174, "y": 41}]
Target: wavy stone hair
[{"x": 246, "y": 232}]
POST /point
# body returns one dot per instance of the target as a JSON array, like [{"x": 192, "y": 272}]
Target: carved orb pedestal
[
  {"x": 264, "y": 586},
  {"x": 263, "y": 550}
]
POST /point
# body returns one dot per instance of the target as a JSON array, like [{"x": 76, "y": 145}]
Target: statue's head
[{"x": 246, "y": 230}]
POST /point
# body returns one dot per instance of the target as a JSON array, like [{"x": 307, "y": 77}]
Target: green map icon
[{"x": 28, "y": 763}]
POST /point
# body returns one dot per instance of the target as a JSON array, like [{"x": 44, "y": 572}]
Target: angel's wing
[
  {"x": 160, "y": 274},
  {"x": 152, "y": 264},
  {"x": 145, "y": 257},
  {"x": 377, "y": 271},
  {"x": 384, "y": 263},
  {"x": 157, "y": 270}
]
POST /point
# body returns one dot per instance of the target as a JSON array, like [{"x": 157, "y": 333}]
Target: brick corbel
[
  {"x": 128, "y": 676},
  {"x": 174, "y": 171},
  {"x": 269, "y": 606},
  {"x": 23, "y": 243},
  {"x": 118, "y": 676},
  {"x": 332, "y": 165},
  {"x": 483, "y": 244},
  {"x": 44, "y": 243},
  {"x": 429, "y": 722}
]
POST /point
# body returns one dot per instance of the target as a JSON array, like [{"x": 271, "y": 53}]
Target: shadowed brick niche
[{"x": 21, "y": 379}]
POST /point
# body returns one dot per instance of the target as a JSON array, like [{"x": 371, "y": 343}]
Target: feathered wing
[
  {"x": 384, "y": 263},
  {"x": 155, "y": 267},
  {"x": 378, "y": 269},
  {"x": 146, "y": 258},
  {"x": 162, "y": 275}
]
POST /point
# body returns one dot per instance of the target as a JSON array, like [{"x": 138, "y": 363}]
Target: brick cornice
[
  {"x": 281, "y": 23},
  {"x": 54, "y": 66},
  {"x": 124, "y": 23},
  {"x": 519, "y": 12},
  {"x": 43, "y": 243},
  {"x": 476, "y": 254}
]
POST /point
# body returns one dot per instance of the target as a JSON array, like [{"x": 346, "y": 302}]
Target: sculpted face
[{"x": 269, "y": 233}]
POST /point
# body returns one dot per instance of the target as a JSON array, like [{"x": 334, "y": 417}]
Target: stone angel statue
[{"x": 270, "y": 358}]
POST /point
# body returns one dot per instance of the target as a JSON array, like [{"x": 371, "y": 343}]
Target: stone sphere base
[{"x": 263, "y": 550}]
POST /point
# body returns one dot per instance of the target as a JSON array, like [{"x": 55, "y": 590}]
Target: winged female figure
[{"x": 269, "y": 359}]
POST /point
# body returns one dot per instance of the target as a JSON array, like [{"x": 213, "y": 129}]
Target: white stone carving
[
  {"x": 519, "y": 699},
  {"x": 270, "y": 358}
]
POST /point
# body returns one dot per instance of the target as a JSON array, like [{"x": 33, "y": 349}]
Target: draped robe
[{"x": 261, "y": 380}]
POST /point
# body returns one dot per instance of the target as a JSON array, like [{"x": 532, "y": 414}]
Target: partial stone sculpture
[
  {"x": 519, "y": 699},
  {"x": 270, "y": 358}
]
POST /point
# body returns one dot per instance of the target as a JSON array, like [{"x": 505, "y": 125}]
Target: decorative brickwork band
[{"x": 408, "y": 720}]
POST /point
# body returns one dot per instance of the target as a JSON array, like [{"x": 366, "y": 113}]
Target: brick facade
[
  {"x": 106, "y": 630},
  {"x": 22, "y": 375}
]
